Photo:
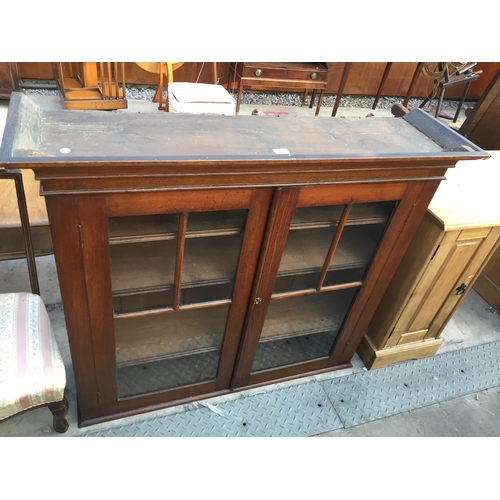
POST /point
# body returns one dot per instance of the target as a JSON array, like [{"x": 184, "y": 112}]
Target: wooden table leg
[
  {"x": 343, "y": 80},
  {"x": 413, "y": 83},
  {"x": 238, "y": 102},
  {"x": 382, "y": 83},
  {"x": 320, "y": 100},
  {"x": 304, "y": 97}
]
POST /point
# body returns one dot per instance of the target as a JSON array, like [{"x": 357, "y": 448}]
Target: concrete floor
[{"x": 474, "y": 323}]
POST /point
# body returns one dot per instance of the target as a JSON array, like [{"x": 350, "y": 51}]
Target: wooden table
[{"x": 279, "y": 76}]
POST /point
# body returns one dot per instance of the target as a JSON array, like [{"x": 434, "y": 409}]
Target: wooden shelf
[
  {"x": 138, "y": 267},
  {"x": 306, "y": 314},
  {"x": 306, "y": 250},
  {"x": 363, "y": 213},
  {"x": 164, "y": 226},
  {"x": 163, "y": 336}
]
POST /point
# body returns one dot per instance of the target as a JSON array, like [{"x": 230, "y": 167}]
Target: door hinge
[{"x": 80, "y": 235}]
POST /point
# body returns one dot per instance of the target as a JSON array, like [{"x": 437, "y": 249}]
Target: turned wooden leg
[
  {"x": 320, "y": 100},
  {"x": 59, "y": 410}
]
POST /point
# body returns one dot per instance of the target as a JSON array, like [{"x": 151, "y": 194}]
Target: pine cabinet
[
  {"x": 199, "y": 255},
  {"x": 455, "y": 241}
]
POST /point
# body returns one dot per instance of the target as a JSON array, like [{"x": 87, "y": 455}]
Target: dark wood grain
[
  {"x": 201, "y": 165},
  {"x": 250, "y": 251},
  {"x": 181, "y": 238},
  {"x": 272, "y": 248},
  {"x": 96, "y": 264},
  {"x": 64, "y": 220},
  {"x": 333, "y": 246},
  {"x": 9, "y": 79}
]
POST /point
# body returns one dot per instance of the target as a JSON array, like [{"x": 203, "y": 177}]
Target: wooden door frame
[
  {"x": 404, "y": 221},
  {"x": 94, "y": 363}
]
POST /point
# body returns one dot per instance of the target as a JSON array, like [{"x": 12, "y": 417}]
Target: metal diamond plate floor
[{"x": 318, "y": 407}]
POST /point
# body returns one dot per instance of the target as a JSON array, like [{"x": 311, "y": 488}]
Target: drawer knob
[
  {"x": 258, "y": 300},
  {"x": 461, "y": 289},
  {"x": 314, "y": 76},
  {"x": 258, "y": 72}
]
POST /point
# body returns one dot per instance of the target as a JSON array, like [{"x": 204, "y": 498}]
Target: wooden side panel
[
  {"x": 424, "y": 244},
  {"x": 64, "y": 220},
  {"x": 96, "y": 259}
]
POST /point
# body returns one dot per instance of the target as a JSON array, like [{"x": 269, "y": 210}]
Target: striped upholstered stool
[{"x": 31, "y": 367}]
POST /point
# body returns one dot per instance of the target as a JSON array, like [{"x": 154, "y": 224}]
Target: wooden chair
[{"x": 32, "y": 371}]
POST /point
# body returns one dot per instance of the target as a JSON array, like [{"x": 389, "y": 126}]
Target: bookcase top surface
[{"x": 38, "y": 132}]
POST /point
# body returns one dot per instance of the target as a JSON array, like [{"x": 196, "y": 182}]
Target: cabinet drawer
[{"x": 279, "y": 71}]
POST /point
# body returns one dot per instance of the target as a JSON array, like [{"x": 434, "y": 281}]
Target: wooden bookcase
[
  {"x": 199, "y": 255},
  {"x": 454, "y": 242}
]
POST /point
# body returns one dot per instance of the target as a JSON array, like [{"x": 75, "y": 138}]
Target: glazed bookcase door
[
  {"x": 317, "y": 252},
  {"x": 179, "y": 289}
]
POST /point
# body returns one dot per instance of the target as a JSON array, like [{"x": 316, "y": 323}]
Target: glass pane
[
  {"x": 142, "y": 301},
  {"x": 142, "y": 225},
  {"x": 220, "y": 220},
  {"x": 306, "y": 250},
  {"x": 146, "y": 267},
  {"x": 301, "y": 328},
  {"x": 311, "y": 235},
  {"x": 210, "y": 262},
  {"x": 165, "y": 351}
]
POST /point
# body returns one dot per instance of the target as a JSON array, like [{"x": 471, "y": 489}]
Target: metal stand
[{"x": 465, "y": 76}]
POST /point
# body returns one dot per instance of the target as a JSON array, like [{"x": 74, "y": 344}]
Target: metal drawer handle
[
  {"x": 314, "y": 76},
  {"x": 258, "y": 72},
  {"x": 461, "y": 289}
]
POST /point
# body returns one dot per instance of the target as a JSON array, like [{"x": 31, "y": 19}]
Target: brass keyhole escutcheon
[
  {"x": 258, "y": 300},
  {"x": 258, "y": 72},
  {"x": 314, "y": 76}
]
